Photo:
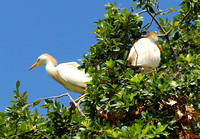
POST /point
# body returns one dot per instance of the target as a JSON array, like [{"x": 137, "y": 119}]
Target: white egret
[
  {"x": 145, "y": 53},
  {"x": 66, "y": 74}
]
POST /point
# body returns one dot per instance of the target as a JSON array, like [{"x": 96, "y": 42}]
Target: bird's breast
[{"x": 74, "y": 88}]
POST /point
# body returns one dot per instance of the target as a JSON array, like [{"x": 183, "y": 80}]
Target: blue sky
[{"x": 60, "y": 28}]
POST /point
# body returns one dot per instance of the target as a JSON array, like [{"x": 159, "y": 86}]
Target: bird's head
[
  {"x": 43, "y": 60},
  {"x": 153, "y": 37}
]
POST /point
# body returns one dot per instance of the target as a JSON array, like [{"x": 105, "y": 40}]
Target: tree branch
[
  {"x": 77, "y": 105},
  {"x": 142, "y": 12},
  {"x": 166, "y": 34},
  {"x": 148, "y": 25},
  {"x": 163, "y": 30}
]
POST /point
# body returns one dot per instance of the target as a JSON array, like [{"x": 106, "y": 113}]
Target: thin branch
[
  {"x": 156, "y": 21},
  {"x": 132, "y": 9},
  {"x": 163, "y": 13},
  {"x": 77, "y": 105},
  {"x": 166, "y": 34},
  {"x": 148, "y": 25},
  {"x": 185, "y": 16},
  {"x": 53, "y": 97},
  {"x": 142, "y": 12}
]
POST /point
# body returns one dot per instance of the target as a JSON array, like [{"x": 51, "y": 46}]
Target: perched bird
[
  {"x": 145, "y": 53},
  {"x": 66, "y": 74}
]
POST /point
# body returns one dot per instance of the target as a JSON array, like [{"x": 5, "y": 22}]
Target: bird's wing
[
  {"x": 69, "y": 73},
  {"x": 72, "y": 64},
  {"x": 140, "y": 52}
]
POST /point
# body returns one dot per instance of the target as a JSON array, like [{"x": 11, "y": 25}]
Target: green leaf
[
  {"x": 110, "y": 63},
  {"x": 145, "y": 130},
  {"x": 131, "y": 96},
  {"x": 24, "y": 107},
  {"x": 151, "y": 9},
  {"x": 18, "y": 84},
  {"x": 161, "y": 21},
  {"x": 104, "y": 99},
  {"x": 176, "y": 36},
  {"x": 13, "y": 101},
  {"x": 23, "y": 126},
  {"x": 120, "y": 61},
  {"x": 36, "y": 102},
  {"x": 48, "y": 101},
  {"x": 171, "y": 9},
  {"x": 116, "y": 49},
  {"x": 26, "y": 97},
  {"x": 2, "y": 114},
  {"x": 40, "y": 123}
]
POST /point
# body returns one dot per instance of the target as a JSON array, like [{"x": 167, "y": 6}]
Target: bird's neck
[
  {"x": 50, "y": 68},
  {"x": 52, "y": 71}
]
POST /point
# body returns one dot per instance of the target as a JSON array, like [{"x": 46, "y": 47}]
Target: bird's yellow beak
[
  {"x": 159, "y": 47},
  {"x": 34, "y": 65}
]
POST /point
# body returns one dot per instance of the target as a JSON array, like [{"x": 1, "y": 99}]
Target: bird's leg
[
  {"x": 152, "y": 72},
  {"x": 148, "y": 69},
  {"x": 77, "y": 105}
]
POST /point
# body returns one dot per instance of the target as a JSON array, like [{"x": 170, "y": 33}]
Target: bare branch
[
  {"x": 149, "y": 24},
  {"x": 66, "y": 94},
  {"x": 77, "y": 105},
  {"x": 167, "y": 33},
  {"x": 53, "y": 97},
  {"x": 163, "y": 30},
  {"x": 142, "y": 12}
]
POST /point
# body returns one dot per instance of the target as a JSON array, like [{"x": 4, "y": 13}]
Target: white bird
[
  {"x": 145, "y": 53},
  {"x": 66, "y": 74}
]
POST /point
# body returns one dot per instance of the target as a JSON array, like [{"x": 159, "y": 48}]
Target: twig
[
  {"x": 142, "y": 12},
  {"x": 166, "y": 34},
  {"x": 163, "y": 13},
  {"x": 148, "y": 25},
  {"x": 185, "y": 16},
  {"x": 156, "y": 21},
  {"x": 53, "y": 97},
  {"x": 66, "y": 94},
  {"x": 132, "y": 9}
]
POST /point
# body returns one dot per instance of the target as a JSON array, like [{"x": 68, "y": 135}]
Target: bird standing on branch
[
  {"x": 66, "y": 74},
  {"x": 145, "y": 53}
]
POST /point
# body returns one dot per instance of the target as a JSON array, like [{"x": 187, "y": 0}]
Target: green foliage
[
  {"x": 120, "y": 102},
  {"x": 20, "y": 122}
]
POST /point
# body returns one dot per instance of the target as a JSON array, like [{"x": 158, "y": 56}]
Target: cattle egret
[
  {"x": 145, "y": 53},
  {"x": 66, "y": 74}
]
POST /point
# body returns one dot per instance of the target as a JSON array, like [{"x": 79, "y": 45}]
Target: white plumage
[
  {"x": 66, "y": 74},
  {"x": 145, "y": 53}
]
